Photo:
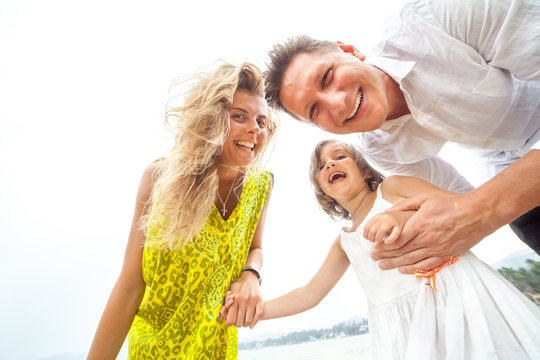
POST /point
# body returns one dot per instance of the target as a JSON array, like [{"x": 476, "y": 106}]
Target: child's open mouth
[{"x": 336, "y": 176}]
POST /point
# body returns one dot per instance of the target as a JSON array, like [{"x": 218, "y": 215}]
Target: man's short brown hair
[{"x": 281, "y": 57}]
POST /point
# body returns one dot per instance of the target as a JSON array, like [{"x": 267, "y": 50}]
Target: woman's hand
[
  {"x": 247, "y": 307},
  {"x": 227, "y": 303}
]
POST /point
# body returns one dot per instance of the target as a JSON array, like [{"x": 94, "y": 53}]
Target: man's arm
[{"x": 448, "y": 225}]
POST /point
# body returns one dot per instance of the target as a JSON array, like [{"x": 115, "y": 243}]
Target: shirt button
[
  {"x": 457, "y": 136},
  {"x": 487, "y": 143}
]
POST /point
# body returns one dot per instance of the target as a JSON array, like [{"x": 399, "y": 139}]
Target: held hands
[
  {"x": 227, "y": 303},
  {"x": 443, "y": 226},
  {"x": 243, "y": 305},
  {"x": 386, "y": 226}
]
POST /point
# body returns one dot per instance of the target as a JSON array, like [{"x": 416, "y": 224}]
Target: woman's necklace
[{"x": 224, "y": 210}]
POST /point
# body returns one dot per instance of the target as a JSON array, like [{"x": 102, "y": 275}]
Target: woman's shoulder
[
  {"x": 261, "y": 176},
  {"x": 152, "y": 171}
]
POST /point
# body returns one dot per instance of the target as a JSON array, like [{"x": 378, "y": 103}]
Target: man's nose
[{"x": 334, "y": 102}]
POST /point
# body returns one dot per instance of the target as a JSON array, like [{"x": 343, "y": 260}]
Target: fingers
[
  {"x": 393, "y": 236},
  {"x": 351, "y": 49},
  {"x": 245, "y": 311},
  {"x": 258, "y": 314},
  {"x": 397, "y": 248},
  {"x": 241, "y": 314},
  {"x": 426, "y": 264},
  {"x": 378, "y": 228},
  {"x": 250, "y": 315},
  {"x": 229, "y": 299},
  {"x": 407, "y": 262},
  {"x": 407, "y": 259},
  {"x": 232, "y": 315},
  {"x": 408, "y": 204},
  {"x": 397, "y": 239}
]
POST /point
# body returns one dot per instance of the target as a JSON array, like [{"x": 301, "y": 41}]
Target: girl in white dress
[{"x": 463, "y": 309}]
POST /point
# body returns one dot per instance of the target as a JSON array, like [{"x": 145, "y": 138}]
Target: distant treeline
[
  {"x": 346, "y": 328},
  {"x": 527, "y": 280}
]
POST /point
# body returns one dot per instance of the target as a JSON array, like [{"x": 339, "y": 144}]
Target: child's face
[{"x": 339, "y": 175}]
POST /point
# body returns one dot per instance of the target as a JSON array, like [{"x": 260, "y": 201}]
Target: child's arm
[
  {"x": 396, "y": 188},
  {"x": 129, "y": 289},
  {"x": 308, "y": 296}
]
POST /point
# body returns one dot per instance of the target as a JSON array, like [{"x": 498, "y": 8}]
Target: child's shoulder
[
  {"x": 398, "y": 187},
  {"x": 392, "y": 188}
]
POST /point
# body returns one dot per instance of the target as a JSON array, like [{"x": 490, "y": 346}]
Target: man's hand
[
  {"x": 443, "y": 226},
  {"x": 247, "y": 308},
  {"x": 386, "y": 226}
]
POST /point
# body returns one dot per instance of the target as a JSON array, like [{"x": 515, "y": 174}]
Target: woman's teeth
[
  {"x": 357, "y": 104},
  {"x": 248, "y": 145}
]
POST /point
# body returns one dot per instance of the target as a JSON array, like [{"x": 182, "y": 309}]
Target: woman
[{"x": 200, "y": 215}]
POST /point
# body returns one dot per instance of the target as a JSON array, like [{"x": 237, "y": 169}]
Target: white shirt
[{"x": 467, "y": 77}]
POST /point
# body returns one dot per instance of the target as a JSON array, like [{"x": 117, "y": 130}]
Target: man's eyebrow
[
  {"x": 312, "y": 79},
  {"x": 239, "y": 109}
]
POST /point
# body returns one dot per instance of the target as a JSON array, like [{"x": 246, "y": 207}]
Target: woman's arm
[
  {"x": 308, "y": 296},
  {"x": 129, "y": 289},
  {"x": 248, "y": 305}
]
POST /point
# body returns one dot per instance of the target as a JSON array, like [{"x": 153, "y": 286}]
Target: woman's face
[{"x": 248, "y": 129}]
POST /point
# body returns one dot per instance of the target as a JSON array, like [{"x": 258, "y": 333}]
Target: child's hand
[
  {"x": 386, "y": 226},
  {"x": 229, "y": 300}
]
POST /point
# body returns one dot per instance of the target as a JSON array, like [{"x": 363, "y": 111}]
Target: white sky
[{"x": 82, "y": 93}]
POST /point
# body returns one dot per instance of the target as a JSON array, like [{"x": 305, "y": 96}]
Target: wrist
[
  {"x": 254, "y": 271},
  {"x": 480, "y": 211}
]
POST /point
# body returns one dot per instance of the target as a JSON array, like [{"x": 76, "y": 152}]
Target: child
[{"x": 468, "y": 311}]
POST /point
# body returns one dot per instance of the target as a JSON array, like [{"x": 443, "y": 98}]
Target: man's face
[{"x": 335, "y": 91}]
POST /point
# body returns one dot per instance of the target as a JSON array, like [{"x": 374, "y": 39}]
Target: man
[{"x": 466, "y": 72}]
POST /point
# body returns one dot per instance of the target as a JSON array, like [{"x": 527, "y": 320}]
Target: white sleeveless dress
[{"x": 475, "y": 314}]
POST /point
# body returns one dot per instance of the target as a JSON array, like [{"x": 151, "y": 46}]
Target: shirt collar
[{"x": 396, "y": 69}]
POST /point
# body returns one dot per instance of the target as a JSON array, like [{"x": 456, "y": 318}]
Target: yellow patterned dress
[{"x": 179, "y": 315}]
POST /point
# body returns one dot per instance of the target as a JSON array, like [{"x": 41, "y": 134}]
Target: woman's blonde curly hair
[
  {"x": 187, "y": 182},
  {"x": 328, "y": 204}
]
